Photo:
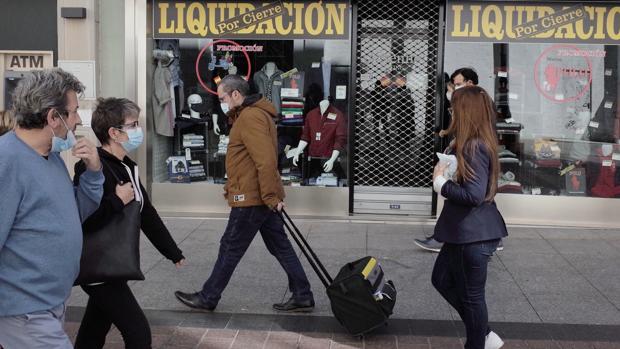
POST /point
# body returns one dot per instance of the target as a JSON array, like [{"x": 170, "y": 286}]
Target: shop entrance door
[{"x": 395, "y": 106}]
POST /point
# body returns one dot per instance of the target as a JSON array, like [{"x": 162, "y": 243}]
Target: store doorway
[{"x": 395, "y": 107}]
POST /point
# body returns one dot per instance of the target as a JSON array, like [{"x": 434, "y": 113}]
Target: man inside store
[
  {"x": 254, "y": 191},
  {"x": 460, "y": 78}
]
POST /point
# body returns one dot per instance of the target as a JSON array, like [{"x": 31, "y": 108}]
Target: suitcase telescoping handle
[{"x": 305, "y": 248}]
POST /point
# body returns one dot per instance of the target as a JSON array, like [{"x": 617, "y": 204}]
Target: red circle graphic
[
  {"x": 247, "y": 58},
  {"x": 538, "y": 82}
]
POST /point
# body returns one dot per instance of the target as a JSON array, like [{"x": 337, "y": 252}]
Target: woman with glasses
[{"x": 115, "y": 123}]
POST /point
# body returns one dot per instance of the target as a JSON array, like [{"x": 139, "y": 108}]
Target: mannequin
[
  {"x": 270, "y": 68},
  {"x": 329, "y": 164},
  {"x": 192, "y": 100},
  {"x": 268, "y": 81}
]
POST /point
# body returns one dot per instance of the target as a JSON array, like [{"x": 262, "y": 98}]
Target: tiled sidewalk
[{"x": 184, "y": 330}]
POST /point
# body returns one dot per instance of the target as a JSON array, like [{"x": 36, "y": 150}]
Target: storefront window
[
  {"x": 306, "y": 80},
  {"x": 555, "y": 90}
]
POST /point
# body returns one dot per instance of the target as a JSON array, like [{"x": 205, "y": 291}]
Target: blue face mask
[
  {"x": 59, "y": 144},
  {"x": 135, "y": 139}
]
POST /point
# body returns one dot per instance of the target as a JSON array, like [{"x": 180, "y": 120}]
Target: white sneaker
[{"x": 493, "y": 341}]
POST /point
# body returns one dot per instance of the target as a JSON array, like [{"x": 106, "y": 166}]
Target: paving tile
[
  {"x": 606, "y": 345},
  {"x": 284, "y": 336},
  {"x": 575, "y": 345},
  {"x": 445, "y": 343},
  {"x": 539, "y": 344},
  {"x": 380, "y": 342},
  {"x": 514, "y": 344},
  {"x": 187, "y": 336},
  {"x": 215, "y": 343},
  {"x": 220, "y": 333}
]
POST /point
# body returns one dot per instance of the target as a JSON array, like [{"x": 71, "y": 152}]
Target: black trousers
[{"x": 113, "y": 303}]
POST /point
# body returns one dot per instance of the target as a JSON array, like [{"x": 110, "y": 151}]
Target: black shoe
[
  {"x": 193, "y": 300},
  {"x": 293, "y": 306},
  {"x": 429, "y": 244}
]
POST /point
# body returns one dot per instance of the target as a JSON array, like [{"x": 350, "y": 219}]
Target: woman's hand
[
  {"x": 440, "y": 169},
  {"x": 125, "y": 192}
]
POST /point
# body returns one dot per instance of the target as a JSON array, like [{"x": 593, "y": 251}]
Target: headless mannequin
[
  {"x": 191, "y": 100},
  {"x": 270, "y": 68},
  {"x": 329, "y": 164}
]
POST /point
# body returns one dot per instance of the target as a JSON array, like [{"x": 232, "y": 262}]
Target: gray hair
[
  {"x": 41, "y": 91},
  {"x": 234, "y": 82}
]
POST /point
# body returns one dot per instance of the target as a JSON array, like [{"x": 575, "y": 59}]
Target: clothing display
[
  {"x": 292, "y": 111},
  {"x": 163, "y": 111},
  {"x": 293, "y": 82},
  {"x": 325, "y": 133},
  {"x": 269, "y": 85}
]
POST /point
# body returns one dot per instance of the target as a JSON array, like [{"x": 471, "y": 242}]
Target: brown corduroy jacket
[{"x": 251, "y": 159}]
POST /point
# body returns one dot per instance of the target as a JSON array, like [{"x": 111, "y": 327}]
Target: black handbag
[{"x": 112, "y": 252}]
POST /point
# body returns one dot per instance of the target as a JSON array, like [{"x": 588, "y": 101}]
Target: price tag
[
  {"x": 609, "y": 104},
  {"x": 502, "y": 74},
  {"x": 277, "y": 83},
  {"x": 316, "y": 64},
  {"x": 341, "y": 92},
  {"x": 289, "y": 92},
  {"x": 317, "y": 136},
  {"x": 536, "y": 191},
  {"x": 608, "y": 72},
  {"x": 593, "y": 124},
  {"x": 615, "y": 156},
  {"x": 331, "y": 116},
  {"x": 607, "y": 163},
  {"x": 513, "y": 95}
]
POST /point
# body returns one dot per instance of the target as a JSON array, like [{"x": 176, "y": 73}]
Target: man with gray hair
[
  {"x": 41, "y": 211},
  {"x": 254, "y": 192}
]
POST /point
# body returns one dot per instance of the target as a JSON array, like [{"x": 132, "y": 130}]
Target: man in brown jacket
[{"x": 254, "y": 191}]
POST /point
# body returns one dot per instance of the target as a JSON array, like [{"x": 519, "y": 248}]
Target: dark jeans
[
  {"x": 112, "y": 303},
  {"x": 460, "y": 276},
  {"x": 243, "y": 223}
]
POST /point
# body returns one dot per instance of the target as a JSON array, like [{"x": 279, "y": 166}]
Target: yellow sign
[
  {"x": 251, "y": 20},
  {"x": 565, "y": 22}
]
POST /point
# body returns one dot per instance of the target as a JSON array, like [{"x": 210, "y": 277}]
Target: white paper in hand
[{"x": 451, "y": 161}]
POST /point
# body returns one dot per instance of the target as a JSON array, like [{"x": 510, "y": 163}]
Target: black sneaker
[
  {"x": 193, "y": 300},
  {"x": 293, "y": 306},
  {"x": 429, "y": 244}
]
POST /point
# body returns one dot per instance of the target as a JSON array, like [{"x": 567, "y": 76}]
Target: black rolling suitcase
[{"x": 361, "y": 298}]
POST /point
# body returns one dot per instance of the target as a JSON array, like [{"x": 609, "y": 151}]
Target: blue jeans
[
  {"x": 243, "y": 224},
  {"x": 460, "y": 276},
  {"x": 36, "y": 330}
]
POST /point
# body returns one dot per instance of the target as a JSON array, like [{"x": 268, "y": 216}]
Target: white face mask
[
  {"x": 456, "y": 87},
  {"x": 225, "y": 107},
  {"x": 449, "y": 95}
]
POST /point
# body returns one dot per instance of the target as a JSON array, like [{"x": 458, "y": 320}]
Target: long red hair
[{"x": 473, "y": 126}]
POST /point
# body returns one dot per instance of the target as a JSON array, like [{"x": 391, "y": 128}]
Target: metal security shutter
[{"x": 395, "y": 107}]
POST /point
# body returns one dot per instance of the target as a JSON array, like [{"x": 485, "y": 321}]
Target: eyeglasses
[{"x": 129, "y": 125}]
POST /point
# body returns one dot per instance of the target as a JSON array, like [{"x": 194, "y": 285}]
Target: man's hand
[
  {"x": 180, "y": 263},
  {"x": 280, "y": 206},
  {"x": 440, "y": 169},
  {"x": 125, "y": 192},
  {"x": 87, "y": 151}
]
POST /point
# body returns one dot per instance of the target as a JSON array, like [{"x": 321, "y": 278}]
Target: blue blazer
[{"x": 466, "y": 217}]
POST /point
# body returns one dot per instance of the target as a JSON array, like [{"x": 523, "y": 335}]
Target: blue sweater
[{"x": 40, "y": 226}]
